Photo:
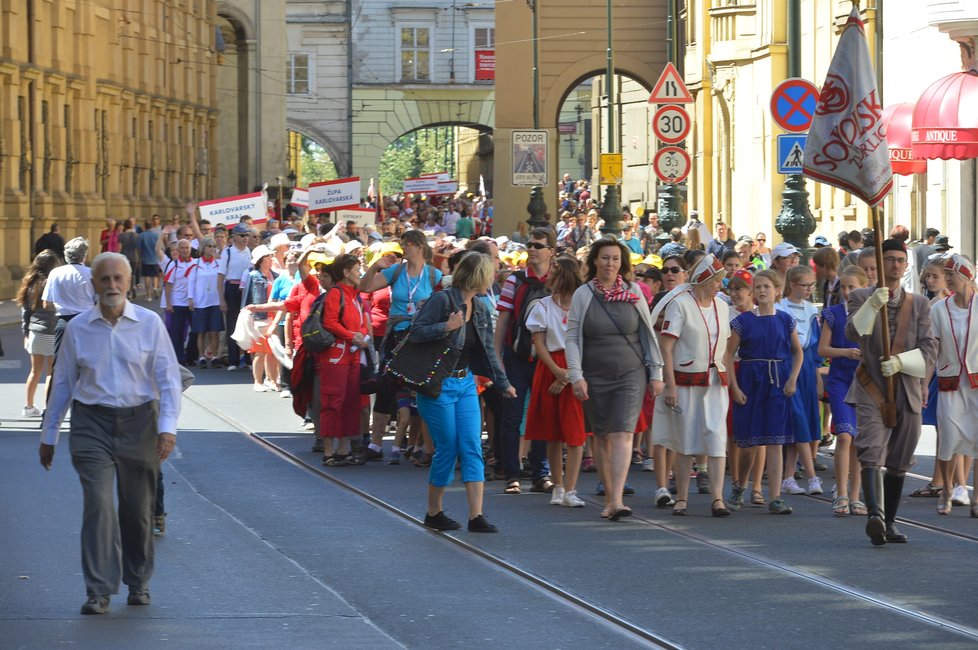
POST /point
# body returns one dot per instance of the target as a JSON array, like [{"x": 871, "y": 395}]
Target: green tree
[
  {"x": 314, "y": 164},
  {"x": 424, "y": 151}
]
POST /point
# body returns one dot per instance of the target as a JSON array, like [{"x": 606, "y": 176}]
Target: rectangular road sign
[
  {"x": 529, "y": 158},
  {"x": 610, "y": 169},
  {"x": 791, "y": 152}
]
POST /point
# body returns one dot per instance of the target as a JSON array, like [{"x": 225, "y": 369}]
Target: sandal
[
  {"x": 929, "y": 490},
  {"x": 944, "y": 507},
  {"x": 512, "y": 487},
  {"x": 858, "y": 508},
  {"x": 620, "y": 513},
  {"x": 605, "y": 513},
  {"x": 757, "y": 499},
  {"x": 423, "y": 460},
  {"x": 677, "y": 511},
  {"x": 840, "y": 506},
  {"x": 721, "y": 511},
  {"x": 335, "y": 461}
]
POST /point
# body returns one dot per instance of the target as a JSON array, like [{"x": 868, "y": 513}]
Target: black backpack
[
  {"x": 522, "y": 337},
  {"x": 315, "y": 337}
]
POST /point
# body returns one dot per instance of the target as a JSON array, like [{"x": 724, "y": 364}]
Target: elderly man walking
[{"x": 118, "y": 373}]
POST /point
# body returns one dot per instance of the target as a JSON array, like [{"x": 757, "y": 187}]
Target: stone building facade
[{"x": 107, "y": 109}]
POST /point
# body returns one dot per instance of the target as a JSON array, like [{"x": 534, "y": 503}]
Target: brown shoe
[
  {"x": 138, "y": 595},
  {"x": 96, "y": 605}
]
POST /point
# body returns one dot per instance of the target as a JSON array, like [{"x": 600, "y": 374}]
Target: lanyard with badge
[{"x": 410, "y": 304}]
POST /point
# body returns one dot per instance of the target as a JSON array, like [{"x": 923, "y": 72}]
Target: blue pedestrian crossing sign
[{"x": 791, "y": 152}]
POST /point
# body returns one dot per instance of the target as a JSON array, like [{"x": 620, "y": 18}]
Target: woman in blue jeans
[{"x": 454, "y": 418}]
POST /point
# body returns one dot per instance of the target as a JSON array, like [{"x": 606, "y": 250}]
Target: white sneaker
[
  {"x": 959, "y": 495},
  {"x": 557, "y": 496},
  {"x": 232, "y": 368},
  {"x": 34, "y": 412},
  {"x": 261, "y": 388},
  {"x": 663, "y": 498},
  {"x": 647, "y": 465},
  {"x": 271, "y": 386},
  {"x": 815, "y": 485},
  {"x": 571, "y": 500},
  {"x": 309, "y": 426},
  {"x": 285, "y": 393},
  {"x": 790, "y": 485}
]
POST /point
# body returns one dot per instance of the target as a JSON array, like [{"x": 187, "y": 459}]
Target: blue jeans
[
  {"x": 520, "y": 374},
  {"x": 455, "y": 423},
  {"x": 179, "y": 325}
]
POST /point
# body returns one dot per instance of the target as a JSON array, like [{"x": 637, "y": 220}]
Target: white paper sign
[
  {"x": 423, "y": 185},
  {"x": 447, "y": 187},
  {"x": 334, "y": 195},
  {"x": 363, "y": 216},
  {"x": 300, "y": 197},
  {"x": 231, "y": 209},
  {"x": 441, "y": 176}
]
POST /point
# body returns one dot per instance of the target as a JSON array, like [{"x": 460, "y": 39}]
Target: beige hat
[{"x": 280, "y": 239}]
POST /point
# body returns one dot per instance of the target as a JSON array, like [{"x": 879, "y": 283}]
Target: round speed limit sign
[
  {"x": 671, "y": 164},
  {"x": 671, "y": 124}
]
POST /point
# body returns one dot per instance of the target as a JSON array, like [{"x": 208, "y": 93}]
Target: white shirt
[
  {"x": 451, "y": 219},
  {"x": 178, "y": 276},
  {"x": 120, "y": 366},
  {"x": 234, "y": 263},
  {"x": 70, "y": 288},
  {"x": 203, "y": 284},
  {"x": 804, "y": 313},
  {"x": 547, "y": 316}
]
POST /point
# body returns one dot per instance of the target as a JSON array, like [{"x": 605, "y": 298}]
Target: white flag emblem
[{"x": 846, "y": 145}]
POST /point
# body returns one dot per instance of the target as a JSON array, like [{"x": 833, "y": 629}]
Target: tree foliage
[
  {"x": 424, "y": 151},
  {"x": 314, "y": 164}
]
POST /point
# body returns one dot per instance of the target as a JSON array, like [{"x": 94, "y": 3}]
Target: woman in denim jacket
[
  {"x": 256, "y": 292},
  {"x": 454, "y": 418}
]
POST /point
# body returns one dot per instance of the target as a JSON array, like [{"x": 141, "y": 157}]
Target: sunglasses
[
  {"x": 537, "y": 246},
  {"x": 672, "y": 269},
  {"x": 761, "y": 239}
]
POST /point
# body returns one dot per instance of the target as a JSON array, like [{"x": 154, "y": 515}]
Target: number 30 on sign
[
  {"x": 671, "y": 124},
  {"x": 671, "y": 164}
]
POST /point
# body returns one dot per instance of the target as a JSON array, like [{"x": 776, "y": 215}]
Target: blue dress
[
  {"x": 841, "y": 372},
  {"x": 765, "y": 364},
  {"x": 804, "y": 403}
]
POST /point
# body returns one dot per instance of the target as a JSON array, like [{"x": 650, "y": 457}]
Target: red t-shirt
[{"x": 299, "y": 303}]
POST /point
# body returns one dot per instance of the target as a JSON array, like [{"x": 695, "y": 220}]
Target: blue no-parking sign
[{"x": 791, "y": 152}]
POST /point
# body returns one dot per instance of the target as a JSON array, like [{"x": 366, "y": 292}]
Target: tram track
[
  {"x": 570, "y": 599},
  {"x": 595, "y": 610}
]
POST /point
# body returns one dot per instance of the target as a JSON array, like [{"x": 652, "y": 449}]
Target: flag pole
[{"x": 889, "y": 404}]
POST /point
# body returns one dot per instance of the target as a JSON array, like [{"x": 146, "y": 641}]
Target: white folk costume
[
  {"x": 699, "y": 423},
  {"x": 957, "y": 369}
]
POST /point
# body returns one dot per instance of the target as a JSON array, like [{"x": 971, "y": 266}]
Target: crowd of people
[{"x": 693, "y": 353}]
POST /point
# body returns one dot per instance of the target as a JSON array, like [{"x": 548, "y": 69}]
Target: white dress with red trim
[
  {"x": 698, "y": 425},
  {"x": 957, "y": 377}
]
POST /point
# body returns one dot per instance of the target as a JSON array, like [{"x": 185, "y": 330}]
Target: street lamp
[
  {"x": 611, "y": 208},
  {"x": 537, "y": 207}
]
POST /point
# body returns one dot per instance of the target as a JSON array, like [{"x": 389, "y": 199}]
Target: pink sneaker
[{"x": 587, "y": 464}]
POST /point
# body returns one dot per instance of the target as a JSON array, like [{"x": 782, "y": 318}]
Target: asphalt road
[{"x": 267, "y": 549}]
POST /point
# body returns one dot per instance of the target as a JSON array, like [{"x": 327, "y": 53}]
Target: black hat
[
  {"x": 940, "y": 244},
  {"x": 894, "y": 245}
]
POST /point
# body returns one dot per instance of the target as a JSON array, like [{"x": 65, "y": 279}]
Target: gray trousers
[
  {"x": 878, "y": 446},
  {"x": 116, "y": 448}
]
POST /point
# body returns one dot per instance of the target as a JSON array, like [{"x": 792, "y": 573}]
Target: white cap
[
  {"x": 784, "y": 249},
  {"x": 307, "y": 240},
  {"x": 279, "y": 239},
  {"x": 259, "y": 252},
  {"x": 351, "y": 246},
  {"x": 502, "y": 240}
]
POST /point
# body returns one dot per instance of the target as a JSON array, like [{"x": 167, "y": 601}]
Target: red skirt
[{"x": 554, "y": 418}]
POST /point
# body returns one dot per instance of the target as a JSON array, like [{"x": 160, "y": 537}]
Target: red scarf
[{"x": 617, "y": 293}]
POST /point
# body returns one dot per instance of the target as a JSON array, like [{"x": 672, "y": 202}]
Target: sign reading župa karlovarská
[
  {"x": 847, "y": 145},
  {"x": 334, "y": 195}
]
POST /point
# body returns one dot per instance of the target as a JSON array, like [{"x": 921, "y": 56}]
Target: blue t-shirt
[
  {"x": 147, "y": 246},
  {"x": 282, "y": 287},
  {"x": 634, "y": 244},
  {"x": 409, "y": 291}
]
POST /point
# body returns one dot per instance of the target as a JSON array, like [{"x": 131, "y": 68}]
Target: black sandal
[
  {"x": 721, "y": 511},
  {"x": 512, "y": 487},
  {"x": 677, "y": 511}
]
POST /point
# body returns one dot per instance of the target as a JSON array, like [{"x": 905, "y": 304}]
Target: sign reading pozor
[
  {"x": 529, "y": 158},
  {"x": 232, "y": 208},
  {"x": 334, "y": 195}
]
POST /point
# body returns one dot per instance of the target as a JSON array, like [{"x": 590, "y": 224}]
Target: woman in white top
[
  {"x": 957, "y": 372},
  {"x": 691, "y": 415},
  {"x": 554, "y": 414},
  {"x": 207, "y": 321}
]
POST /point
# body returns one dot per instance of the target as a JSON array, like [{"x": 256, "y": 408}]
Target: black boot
[
  {"x": 892, "y": 491},
  {"x": 873, "y": 489}
]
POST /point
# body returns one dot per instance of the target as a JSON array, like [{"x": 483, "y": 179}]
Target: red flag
[{"x": 846, "y": 145}]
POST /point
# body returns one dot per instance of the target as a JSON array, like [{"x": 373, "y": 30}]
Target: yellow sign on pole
[{"x": 611, "y": 172}]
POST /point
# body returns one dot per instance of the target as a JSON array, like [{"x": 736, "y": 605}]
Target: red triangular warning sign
[{"x": 670, "y": 89}]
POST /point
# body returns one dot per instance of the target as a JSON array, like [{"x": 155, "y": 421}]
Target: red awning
[
  {"x": 945, "y": 119},
  {"x": 897, "y": 119}
]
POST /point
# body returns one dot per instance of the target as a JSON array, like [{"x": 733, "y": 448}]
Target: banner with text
[
  {"x": 300, "y": 197},
  {"x": 423, "y": 185},
  {"x": 334, "y": 195},
  {"x": 362, "y": 216},
  {"x": 446, "y": 187},
  {"x": 231, "y": 209},
  {"x": 485, "y": 65}
]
